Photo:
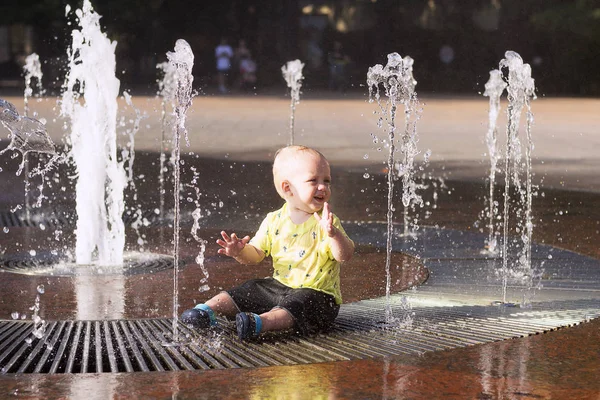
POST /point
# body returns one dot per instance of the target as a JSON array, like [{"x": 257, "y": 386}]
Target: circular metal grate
[
  {"x": 54, "y": 264},
  {"x": 59, "y": 217},
  {"x": 145, "y": 345}
]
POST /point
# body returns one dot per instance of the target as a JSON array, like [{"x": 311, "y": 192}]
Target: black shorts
[{"x": 312, "y": 310}]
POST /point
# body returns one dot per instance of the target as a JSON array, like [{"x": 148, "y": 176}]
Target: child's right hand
[{"x": 232, "y": 246}]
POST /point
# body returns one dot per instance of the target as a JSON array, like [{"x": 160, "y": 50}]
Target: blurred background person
[{"x": 223, "y": 54}]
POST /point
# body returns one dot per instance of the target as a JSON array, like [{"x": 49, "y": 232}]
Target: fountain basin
[{"x": 570, "y": 353}]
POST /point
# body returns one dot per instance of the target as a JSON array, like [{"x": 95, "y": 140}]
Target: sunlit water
[
  {"x": 493, "y": 89},
  {"x": 182, "y": 60},
  {"x": 514, "y": 222},
  {"x": 398, "y": 83},
  {"x": 128, "y": 158},
  {"x": 167, "y": 87},
  {"x": 28, "y": 135},
  {"x": 518, "y": 173},
  {"x": 197, "y": 215},
  {"x": 89, "y": 105},
  {"x": 292, "y": 73},
  {"x": 32, "y": 71}
]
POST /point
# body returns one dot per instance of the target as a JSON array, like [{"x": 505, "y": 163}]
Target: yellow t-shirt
[{"x": 301, "y": 253}]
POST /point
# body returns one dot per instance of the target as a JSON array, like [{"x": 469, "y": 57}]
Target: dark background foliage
[{"x": 560, "y": 39}]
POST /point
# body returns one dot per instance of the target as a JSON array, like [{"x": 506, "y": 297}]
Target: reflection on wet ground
[
  {"x": 558, "y": 365},
  {"x": 236, "y": 195},
  {"x": 150, "y": 295}
]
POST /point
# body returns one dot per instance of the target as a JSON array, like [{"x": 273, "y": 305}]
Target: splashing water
[
  {"x": 493, "y": 89},
  {"x": 128, "y": 156},
  {"x": 197, "y": 215},
  {"x": 292, "y": 73},
  {"x": 39, "y": 325},
  {"x": 101, "y": 179},
  {"x": 129, "y": 153},
  {"x": 182, "y": 60},
  {"x": 26, "y": 135},
  {"x": 166, "y": 90},
  {"x": 399, "y": 84},
  {"x": 31, "y": 69},
  {"x": 521, "y": 90}
]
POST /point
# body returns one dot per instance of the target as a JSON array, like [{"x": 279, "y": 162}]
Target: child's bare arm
[
  {"x": 239, "y": 249},
  {"x": 342, "y": 248}
]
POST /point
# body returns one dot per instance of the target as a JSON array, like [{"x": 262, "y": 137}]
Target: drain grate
[
  {"x": 19, "y": 219},
  {"x": 56, "y": 218},
  {"x": 359, "y": 333},
  {"x": 53, "y": 264},
  {"x": 51, "y": 218}
]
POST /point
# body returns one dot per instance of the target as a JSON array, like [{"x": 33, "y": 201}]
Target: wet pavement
[{"x": 558, "y": 364}]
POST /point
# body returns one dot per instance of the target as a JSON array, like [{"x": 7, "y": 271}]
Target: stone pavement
[{"x": 566, "y": 131}]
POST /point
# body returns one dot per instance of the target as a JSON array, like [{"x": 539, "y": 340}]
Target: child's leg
[
  {"x": 223, "y": 304},
  {"x": 277, "y": 319},
  {"x": 305, "y": 310},
  {"x": 255, "y": 295},
  {"x": 258, "y": 299},
  {"x": 203, "y": 315}
]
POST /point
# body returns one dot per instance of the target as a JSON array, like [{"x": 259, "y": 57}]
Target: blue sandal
[
  {"x": 199, "y": 317},
  {"x": 248, "y": 325}
]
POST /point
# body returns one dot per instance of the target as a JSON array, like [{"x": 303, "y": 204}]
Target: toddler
[{"x": 307, "y": 245}]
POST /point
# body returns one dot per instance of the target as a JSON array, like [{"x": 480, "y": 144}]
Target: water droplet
[
  {"x": 28, "y": 340},
  {"x": 6, "y": 230},
  {"x": 41, "y": 289},
  {"x": 15, "y": 315},
  {"x": 427, "y": 155},
  {"x": 32, "y": 253},
  {"x": 204, "y": 288},
  {"x": 366, "y": 175}
]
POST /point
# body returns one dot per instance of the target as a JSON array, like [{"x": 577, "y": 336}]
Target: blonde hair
[{"x": 285, "y": 158}]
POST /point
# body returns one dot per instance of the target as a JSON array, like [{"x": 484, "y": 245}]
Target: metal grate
[
  {"x": 359, "y": 333},
  {"x": 49, "y": 264},
  {"x": 54, "y": 218},
  {"x": 19, "y": 219},
  {"x": 57, "y": 218}
]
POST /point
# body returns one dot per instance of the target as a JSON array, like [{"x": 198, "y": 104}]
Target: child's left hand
[{"x": 326, "y": 220}]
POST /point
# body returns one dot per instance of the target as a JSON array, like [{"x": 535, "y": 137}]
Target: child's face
[{"x": 309, "y": 183}]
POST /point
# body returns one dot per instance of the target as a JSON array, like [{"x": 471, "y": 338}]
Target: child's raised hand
[
  {"x": 232, "y": 246},
  {"x": 326, "y": 220}
]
